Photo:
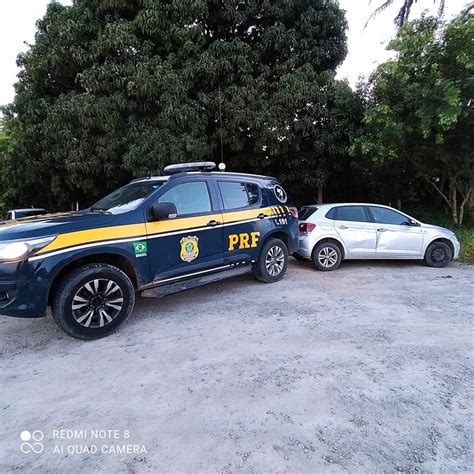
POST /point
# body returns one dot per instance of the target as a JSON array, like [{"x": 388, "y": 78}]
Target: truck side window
[
  {"x": 189, "y": 198},
  {"x": 237, "y": 195}
]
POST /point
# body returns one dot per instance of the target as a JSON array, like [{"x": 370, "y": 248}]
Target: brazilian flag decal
[{"x": 140, "y": 249}]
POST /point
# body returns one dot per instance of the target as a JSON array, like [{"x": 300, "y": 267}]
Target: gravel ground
[{"x": 366, "y": 369}]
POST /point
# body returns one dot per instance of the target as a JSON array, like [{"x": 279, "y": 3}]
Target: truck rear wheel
[
  {"x": 272, "y": 262},
  {"x": 93, "y": 300}
]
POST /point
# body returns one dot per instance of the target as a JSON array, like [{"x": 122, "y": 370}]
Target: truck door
[
  {"x": 192, "y": 242},
  {"x": 244, "y": 217}
]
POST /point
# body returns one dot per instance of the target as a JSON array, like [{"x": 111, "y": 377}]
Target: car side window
[
  {"x": 238, "y": 194},
  {"x": 351, "y": 213},
  {"x": 331, "y": 214},
  {"x": 189, "y": 198},
  {"x": 387, "y": 216}
]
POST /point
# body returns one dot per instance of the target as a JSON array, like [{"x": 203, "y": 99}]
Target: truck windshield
[{"x": 127, "y": 198}]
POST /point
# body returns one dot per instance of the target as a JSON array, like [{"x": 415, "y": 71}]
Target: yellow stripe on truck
[
  {"x": 149, "y": 229},
  {"x": 244, "y": 215},
  {"x": 94, "y": 235},
  {"x": 184, "y": 223}
]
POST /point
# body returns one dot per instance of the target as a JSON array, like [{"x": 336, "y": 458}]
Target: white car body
[{"x": 370, "y": 239}]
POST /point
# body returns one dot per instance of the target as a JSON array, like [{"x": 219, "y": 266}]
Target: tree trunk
[
  {"x": 319, "y": 199},
  {"x": 466, "y": 200},
  {"x": 451, "y": 198},
  {"x": 453, "y": 194}
]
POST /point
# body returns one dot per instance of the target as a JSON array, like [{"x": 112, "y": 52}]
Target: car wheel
[
  {"x": 272, "y": 262},
  {"x": 92, "y": 300},
  {"x": 438, "y": 254},
  {"x": 327, "y": 256}
]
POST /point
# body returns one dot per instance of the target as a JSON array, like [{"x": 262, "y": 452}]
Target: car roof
[{"x": 327, "y": 207}]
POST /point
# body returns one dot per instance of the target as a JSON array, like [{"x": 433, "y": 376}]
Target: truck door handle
[
  {"x": 213, "y": 223},
  {"x": 381, "y": 230},
  {"x": 261, "y": 215},
  {"x": 343, "y": 227}
]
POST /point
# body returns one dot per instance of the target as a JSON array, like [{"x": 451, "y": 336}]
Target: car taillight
[
  {"x": 306, "y": 227},
  {"x": 294, "y": 212}
]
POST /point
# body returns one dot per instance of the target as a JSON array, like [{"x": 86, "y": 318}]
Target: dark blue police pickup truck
[{"x": 154, "y": 231}]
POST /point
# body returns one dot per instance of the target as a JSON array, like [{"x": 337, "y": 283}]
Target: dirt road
[{"x": 366, "y": 369}]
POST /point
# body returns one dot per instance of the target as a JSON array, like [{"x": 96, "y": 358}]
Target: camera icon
[{"x": 32, "y": 442}]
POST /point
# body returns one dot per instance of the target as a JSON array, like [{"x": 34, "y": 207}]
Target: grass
[
  {"x": 466, "y": 236},
  {"x": 465, "y": 232}
]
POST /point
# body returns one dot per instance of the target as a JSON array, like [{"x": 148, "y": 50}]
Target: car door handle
[
  {"x": 213, "y": 223},
  {"x": 343, "y": 227},
  {"x": 262, "y": 215},
  {"x": 381, "y": 230}
]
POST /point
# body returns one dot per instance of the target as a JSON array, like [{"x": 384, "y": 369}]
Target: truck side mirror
[{"x": 162, "y": 211}]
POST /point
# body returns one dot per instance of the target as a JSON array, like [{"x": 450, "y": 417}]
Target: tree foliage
[
  {"x": 115, "y": 88},
  {"x": 419, "y": 112},
  {"x": 9, "y": 127}
]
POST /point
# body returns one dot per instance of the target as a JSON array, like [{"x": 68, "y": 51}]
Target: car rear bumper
[{"x": 305, "y": 246}]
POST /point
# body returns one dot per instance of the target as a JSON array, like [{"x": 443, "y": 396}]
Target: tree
[
  {"x": 115, "y": 88},
  {"x": 308, "y": 146},
  {"x": 419, "y": 110},
  {"x": 404, "y": 13},
  {"x": 8, "y": 143}
]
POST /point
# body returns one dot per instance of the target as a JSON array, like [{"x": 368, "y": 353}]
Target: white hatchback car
[{"x": 330, "y": 233}]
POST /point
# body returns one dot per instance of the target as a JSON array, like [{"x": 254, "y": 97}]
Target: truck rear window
[{"x": 237, "y": 195}]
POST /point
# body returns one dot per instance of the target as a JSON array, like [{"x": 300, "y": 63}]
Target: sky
[{"x": 366, "y": 45}]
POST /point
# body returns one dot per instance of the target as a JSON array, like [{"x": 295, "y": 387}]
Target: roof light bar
[{"x": 182, "y": 167}]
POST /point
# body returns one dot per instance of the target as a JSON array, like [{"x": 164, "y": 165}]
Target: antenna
[{"x": 221, "y": 164}]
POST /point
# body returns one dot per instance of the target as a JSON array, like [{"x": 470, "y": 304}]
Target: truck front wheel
[{"x": 93, "y": 300}]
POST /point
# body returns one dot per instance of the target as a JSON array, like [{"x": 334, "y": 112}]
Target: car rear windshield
[
  {"x": 127, "y": 198},
  {"x": 305, "y": 212}
]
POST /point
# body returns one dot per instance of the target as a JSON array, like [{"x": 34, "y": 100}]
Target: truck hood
[{"x": 50, "y": 224}]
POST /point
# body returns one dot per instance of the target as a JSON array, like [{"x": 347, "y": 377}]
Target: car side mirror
[
  {"x": 162, "y": 211},
  {"x": 412, "y": 223}
]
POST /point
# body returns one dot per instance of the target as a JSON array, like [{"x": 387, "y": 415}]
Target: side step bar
[{"x": 171, "y": 288}]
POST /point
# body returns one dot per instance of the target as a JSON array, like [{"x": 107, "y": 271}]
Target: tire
[
  {"x": 272, "y": 262},
  {"x": 327, "y": 256},
  {"x": 104, "y": 298},
  {"x": 438, "y": 255}
]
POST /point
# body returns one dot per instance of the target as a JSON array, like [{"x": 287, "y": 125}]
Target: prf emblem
[
  {"x": 243, "y": 241},
  {"x": 189, "y": 248}
]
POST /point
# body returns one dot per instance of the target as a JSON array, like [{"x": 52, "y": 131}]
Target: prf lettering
[{"x": 243, "y": 241}]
